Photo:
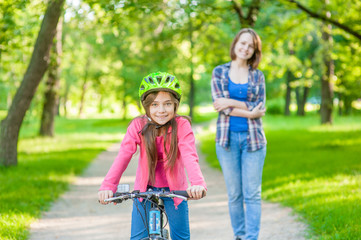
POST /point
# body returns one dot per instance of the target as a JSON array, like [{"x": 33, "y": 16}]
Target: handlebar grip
[{"x": 182, "y": 193}]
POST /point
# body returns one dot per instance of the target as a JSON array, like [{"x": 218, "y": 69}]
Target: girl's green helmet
[{"x": 159, "y": 81}]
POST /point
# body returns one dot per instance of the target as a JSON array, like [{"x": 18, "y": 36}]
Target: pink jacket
[{"x": 187, "y": 159}]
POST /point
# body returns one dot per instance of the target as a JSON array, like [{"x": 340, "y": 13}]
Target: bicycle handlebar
[{"x": 146, "y": 195}]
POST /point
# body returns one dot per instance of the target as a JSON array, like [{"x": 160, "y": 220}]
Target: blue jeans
[
  {"x": 178, "y": 219},
  {"x": 242, "y": 171}
]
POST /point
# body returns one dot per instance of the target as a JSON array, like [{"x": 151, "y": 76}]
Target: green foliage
[
  {"x": 314, "y": 169},
  {"x": 204, "y": 114},
  {"x": 130, "y": 40},
  {"x": 2, "y": 114},
  {"x": 3, "y": 96},
  {"x": 344, "y": 51},
  {"x": 275, "y": 106},
  {"x": 47, "y": 166},
  {"x": 108, "y": 46},
  {"x": 19, "y": 24}
]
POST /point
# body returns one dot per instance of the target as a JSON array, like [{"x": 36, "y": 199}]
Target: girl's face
[
  {"x": 161, "y": 110},
  {"x": 244, "y": 47}
]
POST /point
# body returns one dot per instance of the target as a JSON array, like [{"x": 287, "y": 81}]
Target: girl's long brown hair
[{"x": 151, "y": 130}]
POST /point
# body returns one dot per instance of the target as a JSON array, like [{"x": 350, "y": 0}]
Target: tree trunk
[
  {"x": 65, "y": 98},
  {"x": 85, "y": 85},
  {"x": 340, "y": 104},
  {"x": 301, "y": 101},
  {"x": 298, "y": 98},
  {"x": 326, "y": 81},
  {"x": 288, "y": 94},
  {"x": 124, "y": 107},
  {"x": 191, "y": 92},
  {"x": 82, "y": 97},
  {"x": 347, "y": 105},
  {"x": 248, "y": 20},
  {"x": 52, "y": 85},
  {"x": 10, "y": 126},
  {"x": 191, "y": 79}
]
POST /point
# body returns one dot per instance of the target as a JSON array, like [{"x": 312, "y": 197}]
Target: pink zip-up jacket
[{"x": 187, "y": 158}]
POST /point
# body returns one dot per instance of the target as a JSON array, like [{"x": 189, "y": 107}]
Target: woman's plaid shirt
[{"x": 256, "y": 93}]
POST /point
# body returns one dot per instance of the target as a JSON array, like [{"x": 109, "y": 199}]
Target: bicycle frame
[{"x": 156, "y": 228}]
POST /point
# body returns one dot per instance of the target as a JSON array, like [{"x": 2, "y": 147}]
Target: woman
[
  {"x": 167, "y": 148},
  {"x": 238, "y": 91}
]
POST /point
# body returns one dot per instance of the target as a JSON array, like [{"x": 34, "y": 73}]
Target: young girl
[
  {"x": 238, "y": 91},
  {"x": 167, "y": 146}
]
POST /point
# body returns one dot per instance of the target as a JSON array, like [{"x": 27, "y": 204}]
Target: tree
[
  {"x": 249, "y": 19},
  {"x": 342, "y": 67},
  {"x": 51, "y": 97},
  {"x": 325, "y": 18},
  {"x": 10, "y": 126},
  {"x": 326, "y": 81},
  {"x": 16, "y": 43}
]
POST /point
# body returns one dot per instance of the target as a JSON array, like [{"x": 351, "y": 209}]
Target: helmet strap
[
  {"x": 151, "y": 122},
  {"x": 157, "y": 126}
]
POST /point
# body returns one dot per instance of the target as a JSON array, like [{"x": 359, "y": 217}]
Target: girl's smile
[{"x": 162, "y": 108}]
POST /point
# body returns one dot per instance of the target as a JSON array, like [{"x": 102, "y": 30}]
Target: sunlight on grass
[
  {"x": 337, "y": 127},
  {"x": 329, "y": 204},
  {"x": 12, "y": 225},
  {"x": 66, "y": 142},
  {"x": 46, "y": 166}
]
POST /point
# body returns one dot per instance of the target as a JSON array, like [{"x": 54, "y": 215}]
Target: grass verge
[
  {"x": 314, "y": 169},
  {"x": 46, "y": 166}
]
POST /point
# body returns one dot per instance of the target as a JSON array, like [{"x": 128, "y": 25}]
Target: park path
[{"x": 78, "y": 215}]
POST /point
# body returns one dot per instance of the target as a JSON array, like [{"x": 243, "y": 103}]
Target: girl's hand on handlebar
[
  {"x": 102, "y": 195},
  {"x": 196, "y": 192}
]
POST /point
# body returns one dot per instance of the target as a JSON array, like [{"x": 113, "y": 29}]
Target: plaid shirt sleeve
[
  {"x": 218, "y": 87},
  {"x": 257, "y": 92}
]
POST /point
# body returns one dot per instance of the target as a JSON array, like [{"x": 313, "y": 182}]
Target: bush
[{"x": 275, "y": 106}]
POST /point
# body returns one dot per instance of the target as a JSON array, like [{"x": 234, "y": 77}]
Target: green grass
[
  {"x": 314, "y": 169},
  {"x": 46, "y": 166}
]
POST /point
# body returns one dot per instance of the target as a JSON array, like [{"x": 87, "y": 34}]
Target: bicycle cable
[{"x": 145, "y": 213}]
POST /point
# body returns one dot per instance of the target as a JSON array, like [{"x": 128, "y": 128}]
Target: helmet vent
[{"x": 159, "y": 79}]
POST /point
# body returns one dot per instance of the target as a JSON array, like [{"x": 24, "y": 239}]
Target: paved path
[{"x": 78, "y": 215}]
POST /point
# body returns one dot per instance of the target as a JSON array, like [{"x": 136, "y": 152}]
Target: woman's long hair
[{"x": 151, "y": 130}]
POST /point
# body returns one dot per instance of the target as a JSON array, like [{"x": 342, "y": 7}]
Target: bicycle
[{"x": 155, "y": 227}]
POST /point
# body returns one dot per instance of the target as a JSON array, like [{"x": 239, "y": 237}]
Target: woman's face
[
  {"x": 244, "y": 47},
  {"x": 161, "y": 110}
]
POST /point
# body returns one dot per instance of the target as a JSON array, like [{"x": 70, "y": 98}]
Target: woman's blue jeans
[
  {"x": 178, "y": 219},
  {"x": 242, "y": 171}
]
